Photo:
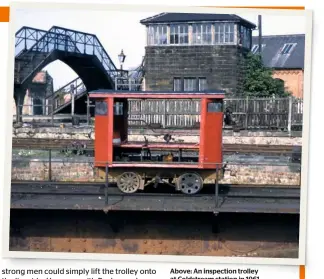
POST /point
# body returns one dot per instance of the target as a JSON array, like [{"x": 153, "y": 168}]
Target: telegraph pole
[{"x": 260, "y": 33}]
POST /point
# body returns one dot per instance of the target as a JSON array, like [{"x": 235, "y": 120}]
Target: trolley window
[
  {"x": 119, "y": 108},
  {"x": 215, "y": 106},
  {"x": 101, "y": 108}
]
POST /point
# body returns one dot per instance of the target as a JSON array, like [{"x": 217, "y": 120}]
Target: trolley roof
[{"x": 105, "y": 93}]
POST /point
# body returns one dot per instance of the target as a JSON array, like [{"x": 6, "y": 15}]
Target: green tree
[{"x": 258, "y": 80}]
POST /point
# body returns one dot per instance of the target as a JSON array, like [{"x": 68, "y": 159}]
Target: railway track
[
  {"x": 96, "y": 196},
  {"x": 60, "y": 144}
]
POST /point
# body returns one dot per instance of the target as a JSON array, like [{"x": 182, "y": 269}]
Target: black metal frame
[
  {"x": 25, "y": 35},
  {"x": 32, "y": 41},
  {"x": 106, "y": 184},
  {"x": 58, "y": 38},
  {"x": 216, "y": 194}
]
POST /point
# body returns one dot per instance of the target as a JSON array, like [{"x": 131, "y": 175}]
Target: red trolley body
[{"x": 111, "y": 135}]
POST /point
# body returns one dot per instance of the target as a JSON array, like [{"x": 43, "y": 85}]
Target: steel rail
[
  {"x": 165, "y": 203},
  {"x": 260, "y": 191},
  {"x": 58, "y": 144},
  {"x": 100, "y": 197}
]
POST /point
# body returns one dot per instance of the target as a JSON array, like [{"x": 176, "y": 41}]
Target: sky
[{"x": 117, "y": 30}]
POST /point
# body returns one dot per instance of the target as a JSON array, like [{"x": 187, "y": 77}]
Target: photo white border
[{"x": 158, "y": 258}]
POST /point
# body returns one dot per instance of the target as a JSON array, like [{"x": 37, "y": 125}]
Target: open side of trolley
[{"x": 135, "y": 165}]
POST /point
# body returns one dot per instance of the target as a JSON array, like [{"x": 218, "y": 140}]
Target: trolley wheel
[
  {"x": 190, "y": 183},
  {"x": 128, "y": 182}
]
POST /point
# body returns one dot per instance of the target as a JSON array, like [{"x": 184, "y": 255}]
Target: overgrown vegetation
[{"x": 258, "y": 80}]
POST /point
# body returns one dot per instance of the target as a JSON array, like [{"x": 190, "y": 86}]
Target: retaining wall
[
  {"x": 234, "y": 174},
  {"x": 244, "y": 137}
]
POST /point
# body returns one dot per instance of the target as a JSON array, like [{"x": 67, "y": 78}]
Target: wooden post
[
  {"x": 190, "y": 33},
  {"x": 88, "y": 109},
  {"x": 17, "y": 109},
  {"x": 216, "y": 189},
  {"x": 165, "y": 115},
  {"x": 106, "y": 184},
  {"x": 278, "y": 117},
  {"x": 260, "y": 34},
  {"x": 89, "y": 105},
  {"x": 52, "y": 109},
  {"x": 289, "y": 115},
  {"x": 247, "y": 113},
  {"x": 72, "y": 103},
  {"x": 44, "y": 106},
  {"x": 50, "y": 165},
  {"x": 31, "y": 106},
  {"x": 143, "y": 84}
]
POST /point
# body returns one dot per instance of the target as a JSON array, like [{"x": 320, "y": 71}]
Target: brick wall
[
  {"x": 272, "y": 175},
  {"x": 223, "y": 66},
  {"x": 38, "y": 87},
  {"x": 27, "y": 108},
  {"x": 36, "y": 170},
  {"x": 293, "y": 79}
]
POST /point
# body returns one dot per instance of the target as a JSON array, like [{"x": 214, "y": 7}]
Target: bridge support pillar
[
  {"x": 114, "y": 222},
  {"x": 215, "y": 223},
  {"x": 19, "y": 96}
]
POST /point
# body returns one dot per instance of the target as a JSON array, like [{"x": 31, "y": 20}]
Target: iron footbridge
[{"x": 83, "y": 52}]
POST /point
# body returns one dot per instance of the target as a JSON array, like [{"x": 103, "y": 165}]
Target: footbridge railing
[
  {"x": 58, "y": 38},
  {"x": 32, "y": 58},
  {"x": 27, "y": 37},
  {"x": 62, "y": 96},
  {"x": 89, "y": 44},
  {"x": 124, "y": 80}
]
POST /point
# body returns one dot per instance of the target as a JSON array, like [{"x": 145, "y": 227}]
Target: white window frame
[
  {"x": 204, "y": 31},
  {"x": 224, "y": 33},
  {"x": 255, "y": 48},
  {"x": 286, "y": 46},
  {"x": 157, "y": 35},
  {"x": 195, "y": 33},
  {"x": 205, "y": 84},
  {"x": 178, "y": 84},
  {"x": 189, "y": 82},
  {"x": 178, "y": 30}
]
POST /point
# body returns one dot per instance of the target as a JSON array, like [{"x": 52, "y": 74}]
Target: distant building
[
  {"x": 196, "y": 52},
  {"x": 36, "y": 98},
  {"x": 285, "y": 55}
]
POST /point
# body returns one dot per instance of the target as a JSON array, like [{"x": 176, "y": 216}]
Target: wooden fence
[{"x": 249, "y": 113}]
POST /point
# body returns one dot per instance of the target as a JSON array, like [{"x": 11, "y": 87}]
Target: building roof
[
  {"x": 282, "y": 51},
  {"x": 40, "y": 77},
  {"x": 104, "y": 93},
  {"x": 191, "y": 17}
]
